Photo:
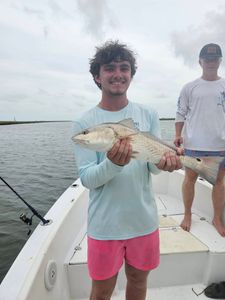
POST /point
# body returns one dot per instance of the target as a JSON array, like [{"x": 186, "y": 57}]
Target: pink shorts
[{"x": 105, "y": 258}]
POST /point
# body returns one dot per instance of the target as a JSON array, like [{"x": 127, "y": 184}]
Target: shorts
[
  {"x": 196, "y": 153},
  {"x": 105, "y": 257}
]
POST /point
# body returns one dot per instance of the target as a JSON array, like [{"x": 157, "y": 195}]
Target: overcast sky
[{"x": 45, "y": 47}]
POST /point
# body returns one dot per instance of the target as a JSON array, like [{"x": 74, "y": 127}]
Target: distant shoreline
[
  {"x": 27, "y": 122},
  {"x": 34, "y": 122}
]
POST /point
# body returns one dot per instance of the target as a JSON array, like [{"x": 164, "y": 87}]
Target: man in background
[{"x": 201, "y": 116}]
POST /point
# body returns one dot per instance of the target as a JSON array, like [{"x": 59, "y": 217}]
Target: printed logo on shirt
[
  {"x": 222, "y": 100},
  {"x": 137, "y": 125}
]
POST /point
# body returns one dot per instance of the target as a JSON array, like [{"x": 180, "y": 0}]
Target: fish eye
[{"x": 85, "y": 132}]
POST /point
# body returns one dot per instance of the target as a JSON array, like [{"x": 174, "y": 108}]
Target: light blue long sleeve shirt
[{"x": 121, "y": 204}]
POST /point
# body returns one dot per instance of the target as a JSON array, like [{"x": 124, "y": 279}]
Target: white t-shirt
[{"x": 201, "y": 106}]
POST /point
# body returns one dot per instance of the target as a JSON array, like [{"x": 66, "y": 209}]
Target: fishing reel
[
  {"x": 26, "y": 220},
  {"x": 23, "y": 217}
]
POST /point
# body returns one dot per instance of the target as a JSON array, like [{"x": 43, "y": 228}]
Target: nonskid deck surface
[
  {"x": 173, "y": 239},
  {"x": 184, "y": 257},
  {"x": 184, "y": 292},
  {"x": 171, "y": 214}
]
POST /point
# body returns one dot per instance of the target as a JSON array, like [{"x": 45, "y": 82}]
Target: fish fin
[
  {"x": 128, "y": 123},
  {"x": 157, "y": 139},
  {"x": 210, "y": 167}
]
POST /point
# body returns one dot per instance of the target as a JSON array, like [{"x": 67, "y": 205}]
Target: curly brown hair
[{"x": 108, "y": 52}]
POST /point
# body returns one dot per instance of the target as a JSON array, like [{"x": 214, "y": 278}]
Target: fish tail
[{"x": 210, "y": 166}]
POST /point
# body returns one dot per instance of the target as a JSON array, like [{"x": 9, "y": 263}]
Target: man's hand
[
  {"x": 120, "y": 154},
  {"x": 169, "y": 162},
  {"x": 178, "y": 141}
]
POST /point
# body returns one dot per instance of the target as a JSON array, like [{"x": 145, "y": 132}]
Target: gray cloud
[
  {"x": 59, "y": 11},
  {"x": 97, "y": 16},
  {"x": 187, "y": 44},
  {"x": 54, "y": 12},
  {"x": 39, "y": 14}
]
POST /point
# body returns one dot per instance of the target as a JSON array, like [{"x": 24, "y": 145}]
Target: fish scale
[{"x": 143, "y": 149}]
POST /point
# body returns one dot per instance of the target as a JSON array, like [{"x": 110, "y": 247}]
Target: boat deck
[
  {"x": 189, "y": 260},
  {"x": 53, "y": 263},
  {"x": 186, "y": 292}
]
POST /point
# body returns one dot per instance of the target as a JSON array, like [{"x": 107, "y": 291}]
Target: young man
[
  {"x": 122, "y": 214},
  {"x": 201, "y": 113}
]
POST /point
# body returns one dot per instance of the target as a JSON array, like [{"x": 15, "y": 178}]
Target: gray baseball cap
[{"x": 210, "y": 51}]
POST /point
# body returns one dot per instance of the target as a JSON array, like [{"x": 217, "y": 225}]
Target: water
[{"x": 37, "y": 160}]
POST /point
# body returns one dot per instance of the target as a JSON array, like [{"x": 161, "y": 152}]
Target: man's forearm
[{"x": 178, "y": 128}]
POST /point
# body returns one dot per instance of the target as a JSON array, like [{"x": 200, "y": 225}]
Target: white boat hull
[{"x": 53, "y": 263}]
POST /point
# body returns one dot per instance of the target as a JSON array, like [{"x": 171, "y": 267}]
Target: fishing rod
[{"x": 23, "y": 217}]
